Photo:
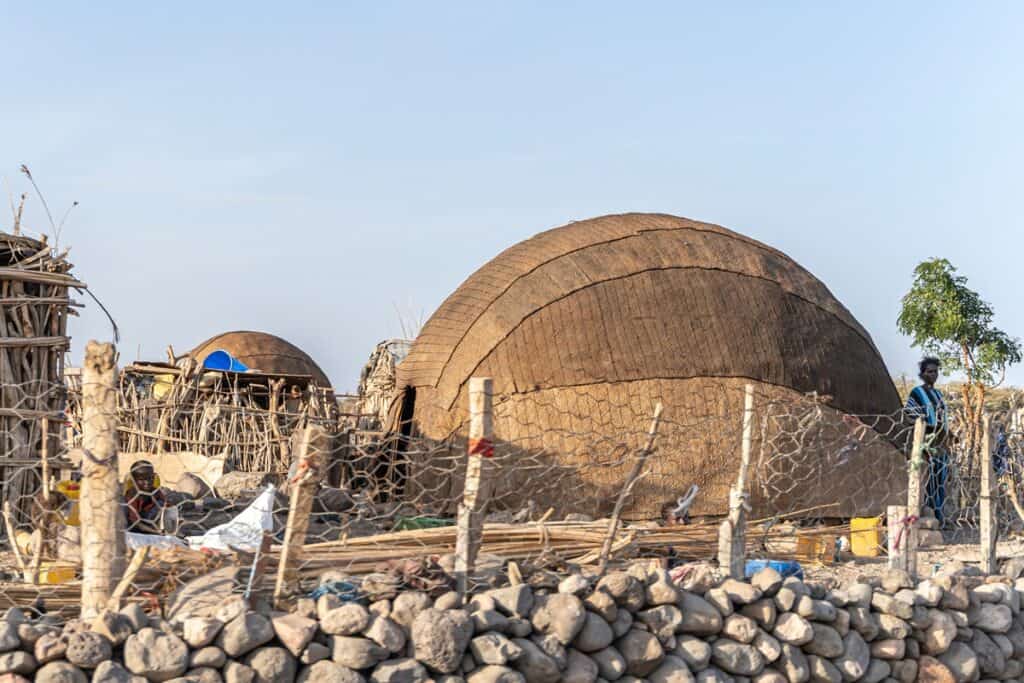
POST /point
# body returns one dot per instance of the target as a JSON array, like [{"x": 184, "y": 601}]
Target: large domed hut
[
  {"x": 586, "y": 327},
  {"x": 264, "y": 353}
]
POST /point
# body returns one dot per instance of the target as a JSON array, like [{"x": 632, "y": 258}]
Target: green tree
[{"x": 949, "y": 320}]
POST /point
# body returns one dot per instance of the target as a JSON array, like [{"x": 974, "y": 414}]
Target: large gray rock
[
  {"x": 826, "y": 642},
  {"x": 736, "y": 658},
  {"x": 642, "y": 651},
  {"x": 905, "y": 671},
  {"x": 740, "y": 628},
  {"x": 933, "y": 671},
  {"x": 878, "y": 671},
  {"x": 579, "y": 668},
  {"x": 358, "y": 653},
  {"x": 890, "y": 626},
  {"x": 710, "y": 675},
  {"x": 495, "y": 674},
  {"x": 740, "y": 592},
  {"x": 494, "y": 648},
  {"x": 940, "y": 633},
  {"x": 990, "y": 618},
  {"x": 513, "y": 600},
  {"x": 895, "y": 579},
  {"x": 156, "y": 655},
  {"x": 201, "y": 631},
  {"x": 60, "y": 672},
  {"x": 386, "y": 633},
  {"x": 295, "y": 632},
  {"x": 52, "y": 646},
  {"x": 559, "y": 614},
  {"x": 272, "y": 665},
  {"x": 762, "y": 611},
  {"x": 823, "y": 671},
  {"x": 694, "y": 651},
  {"x": 890, "y": 649},
  {"x": 346, "y": 620},
  {"x": 236, "y": 672},
  {"x": 793, "y": 629},
  {"x": 887, "y": 604},
  {"x": 440, "y": 638},
  {"x": 699, "y": 616},
  {"x": 601, "y": 603},
  {"x": 535, "y": 665},
  {"x": 627, "y": 591},
  {"x": 17, "y": 662},
  {"x": 552, "y": 647},
  {"x": 113, "y": 626},
  {"x": 611, "y": 665},
  {"x": 863, "y": 621},
  {"x": 87, "y": 649},
  {"x": 661, "y": 590},
  {"x": 112, "y": 672},
  {"x": 244, "y": 633},
  {"x": 991, "y": 658},
  {"x": 856, "y": 657},
  {"x": 962, "y": 662},
  {"x": 671, "y": 670},
  {"x": 408, "y": 605},
  {"x": 767, "y": 580},
  {"x": 793, "y": 663},
  {"x": 207, "y": 656},
  {"x": 596, "y": 634},
  {"x": 9, "y": 639},
  {"x": 768, "y": 646},
  {"x": 400, "y": 671},
  {"x": 328, "y": 672},
  {"x": 663, "y": 621}
]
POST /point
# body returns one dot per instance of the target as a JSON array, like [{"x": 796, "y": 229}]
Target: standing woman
[{"x": 927, "y": 402}]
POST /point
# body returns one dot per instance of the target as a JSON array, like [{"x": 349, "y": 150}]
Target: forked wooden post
[
  {"x": 986, "y": 503},
  {"x": 732, "y": 534},
  {"x": 477, "y": 487},
  {"x": 309, "y": 457},
  {"x": 627, "y": 489},
  {"x": 102, "y": 519}
]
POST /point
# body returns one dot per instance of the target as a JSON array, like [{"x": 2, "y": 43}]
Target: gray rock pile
[{"x": 628, "y": 627}]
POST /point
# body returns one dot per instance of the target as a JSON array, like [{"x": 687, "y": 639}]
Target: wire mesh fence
[{"x": 225, "y": 489}]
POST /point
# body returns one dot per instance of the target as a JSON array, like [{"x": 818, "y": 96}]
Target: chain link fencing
[{"x": 207, "y": 478}]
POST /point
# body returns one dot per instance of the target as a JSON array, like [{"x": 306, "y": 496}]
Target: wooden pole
[
  {"x": 12, "y": 538},
  {"x": 44, "y": 457},
  {"x": 896, "y": 516},
  {"x": 477, "y": 487},
  {"x": 732, "y": 535},
  {"x": 102, "y": 520},
  {"x": 914, "y": 478},
  {"x": 138, "y": 559},
  {"x": 627, "y": 489},
  {"x": 987, "y": 521},
  {"x": 309, "y": 457}
]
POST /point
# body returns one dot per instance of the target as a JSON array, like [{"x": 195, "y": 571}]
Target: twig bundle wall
[{"x": 34, "y": 307}]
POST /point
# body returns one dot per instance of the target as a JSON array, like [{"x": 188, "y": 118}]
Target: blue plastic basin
[
  {"x": 786, "y": 568},
  {"x": 222, "y": 360}
]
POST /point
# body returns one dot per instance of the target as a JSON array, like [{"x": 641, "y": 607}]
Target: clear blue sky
[{"x": 305, "y": 169}]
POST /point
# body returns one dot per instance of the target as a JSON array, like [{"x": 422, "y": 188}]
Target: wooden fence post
[
  {"x": 986, "y": 503},
  {"x": 477, "y": 486},
  {"x": 913, "y": 513},
  {"x": 732, "y": 535},
  {"x": 896, "y": 516},
  {"x": 102, "y": 519},
  {"x": 309, "y": 457}
]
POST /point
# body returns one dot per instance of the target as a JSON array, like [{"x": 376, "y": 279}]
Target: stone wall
[{"x": 632, "y": 626}]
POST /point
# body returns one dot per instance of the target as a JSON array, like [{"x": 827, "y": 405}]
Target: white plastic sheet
[
  {"x": 135, "y": 540},
  {"x": 244, "y": 531}
]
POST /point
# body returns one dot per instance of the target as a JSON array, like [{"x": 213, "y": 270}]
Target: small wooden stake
[
  {"x": 12, "y": 539},
  {"x": 138, "y": 559},
  {"x": 44, "y": 457},
  {"x": 477, "y": 487},
  {"x": 987, "y": 521},
  {"x": 732, "y": 535},
  {"x": 309, "y": 455},
  {"x": 634, "y": 475}
]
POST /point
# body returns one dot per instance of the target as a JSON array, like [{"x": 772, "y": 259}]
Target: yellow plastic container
[
  {"x": 816, "y": 547},
  {"x": 866, "y": 536},
  {"x": 71, "y": 489},
  {"x": 54, "y": 573}
]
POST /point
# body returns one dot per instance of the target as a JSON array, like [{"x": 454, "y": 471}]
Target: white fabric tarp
[
  {"x": 245, "y": 531},
  {"x": 153, "y": 540}
]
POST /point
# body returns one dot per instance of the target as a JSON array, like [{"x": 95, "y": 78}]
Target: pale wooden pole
[
  {"x": 732, "y": 534},
  {"x": 627, "y": 489},
  {"x": 910, "y": 529},
  {"x": 477, "y": 487},
  {"x": 309, "y": 456},
  {"x": 44, "y": 457},
  {"x": 102, "y": 519},
  {"x": 896, "y": 516},
  {"x": 987, "y": 521}
]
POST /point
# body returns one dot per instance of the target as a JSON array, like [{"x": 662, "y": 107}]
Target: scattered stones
[
  {"x": 360, "y": 653},
  {"x": 345, "y": 620},
  {"x": 271, "y": 664},
  {"x": 157, "y": 655},
  {"x": 440, "y": 638},
  {"x": 699, "y": 616},
  {"x": 242, "y": 634},
  {"x": 88, "y": 650},
  {"x": 596, "y": 634},
  {"x": 560, "y": 615},
  {"x": 736, "y": 658},
  {"x": 642, "y": 652}
]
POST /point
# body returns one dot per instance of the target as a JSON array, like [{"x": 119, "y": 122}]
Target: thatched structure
[
  {"x": 585, "y": 327},
  {"x": 34, "y": 306},
  {"x": 264, "y": 353}
]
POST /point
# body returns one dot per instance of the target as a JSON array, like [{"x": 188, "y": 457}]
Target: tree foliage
[{"x": 948, "y": 319}]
